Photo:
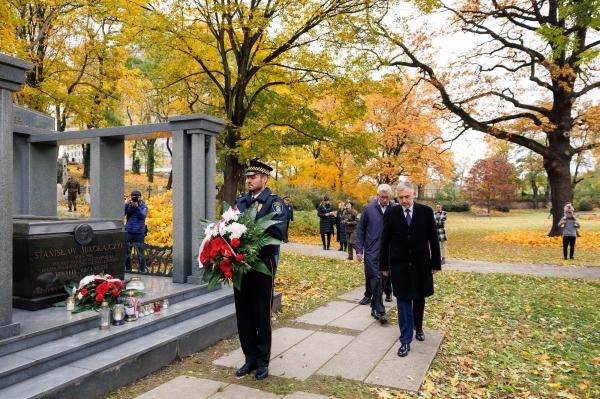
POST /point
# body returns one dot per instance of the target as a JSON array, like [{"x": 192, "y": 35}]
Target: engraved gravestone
[{"x": 51, "y": 252}]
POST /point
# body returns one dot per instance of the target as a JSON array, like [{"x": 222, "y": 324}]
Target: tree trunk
[
  {"x": 561, "y": 191},
  {"x": 232, "y": 176},
  {"x": 170, "y": 181},
  {"x": 86, "y": 160},
  {"x": 534, "y": 188},
  {"x": 150, "y": 159}
]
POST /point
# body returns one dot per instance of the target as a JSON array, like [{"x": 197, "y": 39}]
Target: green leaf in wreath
[{"x": 261, "y": 267}]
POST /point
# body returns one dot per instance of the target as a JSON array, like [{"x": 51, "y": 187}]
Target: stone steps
[
  {"x": 51, "y": 324},
  {"x": 73, "y": 349},
  {"x": 94, "y": 375}
]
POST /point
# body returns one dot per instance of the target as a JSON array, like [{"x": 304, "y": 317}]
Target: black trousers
[
  {"x": 253, "y": 313},
  {"x": 387, "y": 286},
  {"x": 376, "y": 287},
  {"x": 569, "y": 241}
]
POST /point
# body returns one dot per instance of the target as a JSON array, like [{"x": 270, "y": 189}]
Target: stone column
[
  {"x": 211, "y": 172},
  {"x": 182, "y": 223},
  {"x": 12, "y": 76},
  {"x": 197, "y": 199},
  {"x": 107, "y": 175}
]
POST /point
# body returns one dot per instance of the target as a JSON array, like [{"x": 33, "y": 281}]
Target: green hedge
[
  {"x": 455, "y": 206},
  {"x": 584, "y": 206}
]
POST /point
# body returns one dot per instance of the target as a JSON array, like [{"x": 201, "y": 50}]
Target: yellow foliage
[
  {"x": 588, "y": 240},
  {"x": 160, "y": 219}
]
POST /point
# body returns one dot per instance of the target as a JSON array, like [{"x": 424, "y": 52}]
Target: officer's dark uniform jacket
[{"x": 253, "y": 301}]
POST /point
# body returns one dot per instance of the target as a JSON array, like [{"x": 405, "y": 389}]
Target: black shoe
[
  {"x": 403, "y": 350},
  {"x": 247, "y": 368},
  {"x": 324, "y": 248},
  {"x": 420, "y": 335},
  {"x": 262, "y": 373},
  {"x": 341, "y": 249},
  {"x": 572, "y": 258},
  {"x": 382, "y": 319},
  {"x": 365, "y": 301},
  {"x": 388, "y": 297}
]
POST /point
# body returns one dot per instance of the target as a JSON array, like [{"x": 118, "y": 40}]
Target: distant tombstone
[
  {"x": 160, "y": 189},
  {"x": 87, "y": 197}
]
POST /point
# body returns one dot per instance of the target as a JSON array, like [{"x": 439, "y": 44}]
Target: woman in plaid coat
[{"x": 440, "y": 224}]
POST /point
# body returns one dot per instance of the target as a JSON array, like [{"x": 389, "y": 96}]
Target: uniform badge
[
  {"x": 259, "y": 207},
  {"x": 277, "y": 207}
]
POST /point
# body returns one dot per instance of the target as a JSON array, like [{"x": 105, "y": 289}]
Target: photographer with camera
[{"x": 135, "y": 214}]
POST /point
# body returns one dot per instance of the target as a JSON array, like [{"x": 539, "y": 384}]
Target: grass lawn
[
  {"x": 506, "y": 336},
  {"x": 466, "y": 237}
]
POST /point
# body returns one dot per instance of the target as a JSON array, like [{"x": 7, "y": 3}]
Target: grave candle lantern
[{"x": 104, "y": 316}]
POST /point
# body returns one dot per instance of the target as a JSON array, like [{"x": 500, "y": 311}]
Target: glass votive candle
[
  {"x": 118, "y": 314},
  {"x": 71, "y": 303},
  {"x": 104, "y": 316}
]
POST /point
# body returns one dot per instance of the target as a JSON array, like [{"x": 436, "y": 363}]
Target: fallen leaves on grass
[{"x": 588, "y": 239}]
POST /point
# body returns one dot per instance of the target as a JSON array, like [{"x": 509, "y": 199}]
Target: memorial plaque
[{"x": 50, "y": 252}]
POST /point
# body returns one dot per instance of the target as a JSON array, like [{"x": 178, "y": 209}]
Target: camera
[{"x": 134, "y": 199}]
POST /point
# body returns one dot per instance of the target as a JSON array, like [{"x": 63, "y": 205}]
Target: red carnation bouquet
[
  {"x": 231, "y": 246},
  {"x": 94, "y": 289}
]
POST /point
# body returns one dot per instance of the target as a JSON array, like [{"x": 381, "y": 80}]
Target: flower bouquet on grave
[
  {"x": 92, "y": 290},
  {"x": 232, "y": 245}
]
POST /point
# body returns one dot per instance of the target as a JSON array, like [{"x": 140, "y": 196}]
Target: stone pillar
[
  {"x": 211, "y": 172},
  {"x": 182, "y": 221},
  {"x": 12, "y": 76},
  {"x": 107, "y": 175},
  {"x": 197, "y": 199}
]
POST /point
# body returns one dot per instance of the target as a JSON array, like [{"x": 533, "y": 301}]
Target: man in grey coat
[{"x": 368, "y": 240}]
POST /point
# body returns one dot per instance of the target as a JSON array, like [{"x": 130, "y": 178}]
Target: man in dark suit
[
  {"x": 253, "y": 301},
  {"x": 410, "y": 255}
]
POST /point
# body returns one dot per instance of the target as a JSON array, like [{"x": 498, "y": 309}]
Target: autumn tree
[
  {"x": 248, "y": 48},
  {"x": 404, "y": 127},
  {"x": 489, "y": 181},
  {"x": 536, "y": 61}
]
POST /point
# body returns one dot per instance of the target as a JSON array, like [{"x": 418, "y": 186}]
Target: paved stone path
[
  {"x": 366, "y": 352},
  {"x": 472, "y": 266},
  {"x": 185, "y": 387}
]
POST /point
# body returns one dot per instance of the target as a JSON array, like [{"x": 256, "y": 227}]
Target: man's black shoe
[
  {"x": 365, "y": 301},
  {"x": 262, "y": 373},
  {"x": 247, "y": 368},
  {"x": 420, "y": 335},
  {"x": 388, "y": 297},
  {"x": 382, "y": 318},
  {"x": 403, "y": 350}
]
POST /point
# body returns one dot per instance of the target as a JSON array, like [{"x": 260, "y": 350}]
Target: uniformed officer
[{"x": 253, "y": 301}]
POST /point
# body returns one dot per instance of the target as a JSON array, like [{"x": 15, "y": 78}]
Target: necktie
[{"x": 408, "y": 218}]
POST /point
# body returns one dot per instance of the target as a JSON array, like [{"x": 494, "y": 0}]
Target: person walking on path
[
  {"x": 440, "y": 224},
  {"x": 569, "y": 225},
  {"x": 253, "y": 301},
  {"x": 289, "y": 208},
  {"x": 72, "y": 188},
  {"x": 327, "y": 217},
  {"x": 410, "y": 255},
  {"x": 341, "y": 229},
  {"x": 349, "y": 221},
  {"x": 135, "y": 213},
  {"x": 368, "y": 240}
]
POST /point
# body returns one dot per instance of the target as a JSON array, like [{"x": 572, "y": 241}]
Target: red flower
[
  {"x": 84, "y": 291},
  {"x": 109, "y": 277},
  {"x": 120, "y": 284},
  {"x": 239, "y": 257},
  {"x": 228, "y": 274},
  {"x": 203, "y": 258},
  {"x": 225, "y": 265},
  {"x": 110, "y": 285},
  {"x": 99, "y": 298},
  {"x": 102, "y": 288},
  {"x": 218, "y": 243},
  {"x": 115, "y": 292},
  {"x": 226, "y": 252},
  {"x": 213, "y": 252},
  {"x": 235, "y": 242}
]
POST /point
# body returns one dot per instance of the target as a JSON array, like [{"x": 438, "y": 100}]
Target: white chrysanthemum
[
  {"x": 231, "y": 214},
  {"x": 86, "y": 280},
  {"x": 210, "y": 230},
  {"x": 236, "y": 230},
  {"x": 79, "y": 296}
]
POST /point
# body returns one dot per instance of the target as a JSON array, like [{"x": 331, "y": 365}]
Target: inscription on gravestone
[{"x": 50, "y": 252}]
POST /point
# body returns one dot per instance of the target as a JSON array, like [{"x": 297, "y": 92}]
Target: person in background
[
  {"x": 349, "y": 221},
  {"x": 72, "y": 188},
  {"x": 569, "y": 225},
  {"x": 440, "y": 224},
  {"x": 135, "y": 214},
  {"x": 341, "y": 229},
  {"x": 290, "y": 216},
  {"x": 327, "y": 217}
]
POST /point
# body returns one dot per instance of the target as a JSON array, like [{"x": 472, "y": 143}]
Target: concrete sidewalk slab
[
  {"x": 358, "y": 293},
  {"x": 304, "y": 395},
  {"x": 303, "y": 359},
  {"x": 359, "y": 358},
  {"x": 282, "y": 339},
  {"x": 237, "y": 391},
  {"x": 358, "y": 318},
  {"x": 326, "y": 313},
  {"x": 408, "y": 372},
  {"x": 184, "y": 387}
]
